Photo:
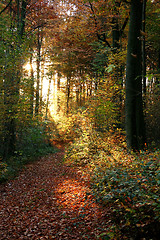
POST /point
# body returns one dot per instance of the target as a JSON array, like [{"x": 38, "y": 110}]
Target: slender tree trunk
[
  {"x": 143, "y": 47},
  {"x": 90, "y": 94},
  {"x": 38, "y": 72},
  {"x": 158, "y": 70},
  {"x": 23, "y": 17},
  {"x": 77, "y": 93},
  {"x": 88, "y": 89},
  {"x": 84, "y": 92},
  {"x": 159, "y": 61},
  {"x": 31, "y": 86},
  {"x": 115, "y": 34},
  {"x": 58, "y": 91},
  {"x": 144, "y": 86},
  {"x": 48, "y": 95},
  {"x": 134, "y": 107},
  {"x": 68, "y": 92},
  {"x": 42, "y": 78}
]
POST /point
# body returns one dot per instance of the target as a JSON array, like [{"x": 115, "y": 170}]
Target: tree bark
[
  {"x": 58, "y": 91},
  {"x": 143, "y": 47},
  {"x": 31, "y": 87},
  {"x": 48, "y": 95},
  {"x": 68, "y": 92},
  {"x": 39, "y": 43},
  {"x": 135, "y": 132}
]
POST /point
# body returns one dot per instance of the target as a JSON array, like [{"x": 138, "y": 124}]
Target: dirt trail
[{"x": 49, "y": 200}]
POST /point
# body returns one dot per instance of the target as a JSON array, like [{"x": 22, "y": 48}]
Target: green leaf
[{"x": 110, "y": 68}]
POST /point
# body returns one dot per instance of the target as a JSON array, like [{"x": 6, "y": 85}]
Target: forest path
[{"x": 50, "y": 200}]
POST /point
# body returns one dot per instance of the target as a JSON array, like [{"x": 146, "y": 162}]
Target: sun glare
[{"x": 27, "y": 66}]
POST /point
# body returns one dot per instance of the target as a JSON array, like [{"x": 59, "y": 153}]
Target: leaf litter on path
[{"x": 50, "y": 200}]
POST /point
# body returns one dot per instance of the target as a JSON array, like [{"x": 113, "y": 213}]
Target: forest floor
[{"x": 50, "y": 200}]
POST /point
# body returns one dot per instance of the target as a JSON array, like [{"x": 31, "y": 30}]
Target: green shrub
[
  {"x": 131, "y": 187},
  {"x": 3, "y": 169},
  {"x": 32, "y": 142},
  {"x": 127, "y": 184}
]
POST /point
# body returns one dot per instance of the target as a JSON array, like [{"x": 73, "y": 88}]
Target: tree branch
[
  {"x": 124, "y": 25},
  {"x": 6, "y": 7},
  {"x": 103, "y": 39}
]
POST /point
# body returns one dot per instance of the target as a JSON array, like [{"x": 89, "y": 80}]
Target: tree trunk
[
  {"x": 158, "y": 70},
  {"x": 115, "y": 34},
  {"x": 58, "y": 91},
  {"x": 135, "y": 132},
  {"x": 68, "y": 92},
  {"x": 77, "y": 93},
  {"x": 48, "y": 95},
  {"x": 80, "y": 92},
  {"x": 38, "y": 72},
  {"x": 42, "y": 79},
  {"x": 31, "y": 87},
  {"x": 143, "y": 47}
]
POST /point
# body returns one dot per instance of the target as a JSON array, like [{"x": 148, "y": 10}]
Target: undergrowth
[
  {"x": 126, "y": 183},
  {"x": 32, "y": 142}
]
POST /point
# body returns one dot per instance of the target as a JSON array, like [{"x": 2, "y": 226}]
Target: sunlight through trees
[{"x": 87, "y": 74}]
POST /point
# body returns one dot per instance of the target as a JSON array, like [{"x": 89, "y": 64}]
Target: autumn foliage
[{"x": 67, "y": 169}]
